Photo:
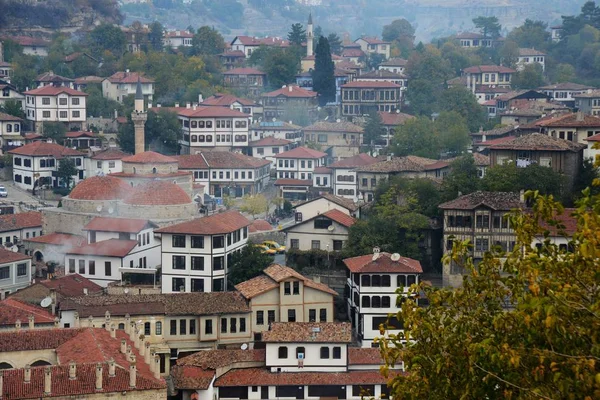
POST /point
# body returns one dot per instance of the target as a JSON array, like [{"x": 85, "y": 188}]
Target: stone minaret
[
  {"x": 139, "y": 117},
  {"x": 309, "y": 36}
]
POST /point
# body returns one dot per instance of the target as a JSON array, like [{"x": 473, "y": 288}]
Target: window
[
  {"x": 366, "y": 302},
  {"x": 295, "y": 243},
  {"x": 218, "y": 242},
  {"x": 324, "y": 352},
  {"x": 287, "y": 288},
  {"x": 282, "y": 352},
  {"x": 260, "y": 318},
  {"x": 75, "y": 101},
  {"x": 81, "y": 267},
  {"x": 337, "y": 352},
  {"x": 218, "y": 285},
  {"x": 312, "y": 315},
  {"x": 232, "y": 325},
  {"x": 296, "y": 287},
  {"x": 385, "y": 281},
  {"x": 482, "y": 244},
  {"x": 21, "y": 269},
  {"x": 242, "y": 324},
  {"x": 157, "y": 328},
  {"x": 366, "y": 280},
  {"x": 46, "y": 101},
  {"x": 482, "y": 221},
  {"x": 291, "y": 315},
  {"x": 192, "y": 326},
  {"x": 197, "y": 263},
  {"x": 197, "y": 285},
  {"x": 271, "y": 316},
  {"x": 208, "y": 329},
  {"x": 376, "y": 280},
  {"x": 178, "y": 285},
  {"x": 179, "y": 241},
  {"x": 223, "y": 325},
  {"x": 411, "y": 280},
  {"x": 315, "y": 244},
  {"x": 92, "y": 267},
  {"x": 337, "y": 245},
  {"x": 147, "y": 331},
  {"x": 107, "y": 268},
  {"x": 376, "y": 302},
  {"x": 385, "y": 301},
  {"x": 183, "y": 327},
  {"x": 64, "y": 114},
  {"x": 178, "y": 262},
  {"x": 218, "y": 263},
  {"x": 401, "y": 281},
  {"x": 76, "y": 114}
]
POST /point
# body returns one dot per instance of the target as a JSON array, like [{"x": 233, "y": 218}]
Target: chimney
[
  {"x": 18, "y": 325},
  {"x": 90, "y": 322},
  {"x": 147, "y": 354},
  {"x": 31, "y": 319},
  {"x": 116, "y": 114},
  {"x": 111, "y": 368},
  {"x": 77, "y": 323},
  {"x": 48, "y": 380},
  {"x": 129, "y": 352},
  {"x": 158, "y": 105},
  {"x": 194, "y": 107},
  {"x": 177, "y": 105},
  {"x": 132, "y": 329},
  {"x": 53, "y": 295},
  {"x": 194, "y": 104},
  {"x": 137, "y": 341},
  {"x": 127, "y": 322},
  {"x": 290, "y": 88},
  {"x": 1, "y": 375},
  {"x": 98, "y": 376},
  {"x": 85, "y": 291},
  {"x": 142, "y": 346},
  {"x": 149, "y": 105},
  {"x": 126, "y": 72},
  {"x": 56, "y": 322},
  {"x": 53, "y": 308},
  {"x": 579, "y": 116},
  {"x": 123, "y": 346},
  {"x": 200, "y": 98},
  {"x": 107, "y": 321},
  {"x": 132, "y": 373},
  {"x": 27, "y": 373},
  {"x": 113, "y": 331},
  {"x": 2, "y": 295},
  {"x": 156, "y": 366},
  {"x": 188, "y": 105},
  {"x": 72, "y": 370}
]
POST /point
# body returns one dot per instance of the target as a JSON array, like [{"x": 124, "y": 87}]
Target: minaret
[
  {"x": 139, "y": 117},
  {"x": 309, "y": 36}
]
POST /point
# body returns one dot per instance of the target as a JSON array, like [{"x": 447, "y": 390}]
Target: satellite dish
[
  {"x": 274, "y": 119},
  {"x": 375, "y": 256},
  {"x": 46, "y": 302},
  {"x": 338, "y": 120},
  {"x": 111, "y": 210},
  {"x": 126, "y": 291},
  {"x": 244, "y": 346},
  {"x": 15, "y": 249},
  {"x": 331, "y": 228},
  {"x": 395, "y": 257},
  {"x": 99, "y": 208}
]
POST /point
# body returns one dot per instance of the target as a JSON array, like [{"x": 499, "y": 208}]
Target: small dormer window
[{"x": 283, "y": 352}]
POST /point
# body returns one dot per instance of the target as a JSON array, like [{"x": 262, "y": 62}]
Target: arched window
[
  {"x": 122, "y": 326},
  {"x": 158, "y": 328},
  {"x": 134, "y": 170},
  {"x": 385, "y": 301},
  {"x": 5, "y": 365},
  {"x": 376, "y": 302},
  {"x": 154, "y": 170},
  {"x": 40, "y": 363}
]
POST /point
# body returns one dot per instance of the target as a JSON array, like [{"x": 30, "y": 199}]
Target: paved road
[{"x": 16, "y": 195}]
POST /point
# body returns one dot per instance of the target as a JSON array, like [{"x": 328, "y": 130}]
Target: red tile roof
[
  {"x": 226, "y": 100},
  {"x": 353, "y": 53},
  {"x": 149, "y": 157},
  {"x": 88, "y": 79},
  {"x": 214, "y": 359},
  {"x": 108, "y": 248},
  {"x": 566, "y": 86},
  {"x": 203, "y": 112},
  {"x": 340, "y": 201},
  {"x": 384, "y": 263},
  {"x": 495, "y": 200},
  {"x": 30, "y": 340},
  {"x": 594, "y": 138},
  {"x": 12, "y": 222},
  {"x": 219, "y": 159},
  {"x": 7, "y": 256},
  {"x": 50, "y": 90},
  {"x": 109, "y": 154},
  {"x": 293, "y": 91},
  {"x": 28, "y": 41},
  {"x": 8, "y": 117},
  {"x": 402, "y": 164},
  {"x": 74, "y": 135},
  {"x": 572, "y": 120},
  {"x": 479, "y": 69},
  {"x": 323, "y": 170},
  {"x": 269, "y": 141},
  {"x": 125, "y": 225},
  {"x": 366, "y": 356},
  {"x": 301, "y": 152},
  {"x": 394, "y": 119},
  {"x": 157, "y": 193},
  {"x": 128, "y": 77},
  {"x": 266, "y": 41},
  {"x": 260, "y": 225},
  {"x": 52, "y": 77},
  {"x": 372, "y": 40},
  {"x": 371, "y": 84},
  {"x": 191, "y": 377},
  {"x": 496, "y": 141},
  {"x": 395, "y": 62},
  {"x": 538, "y": 141},
  {"x": 339, "y": 217},
  {"x": 342, "y": 126},
  {"x": 244, "y": 71},
  {"x": 57, "y": 238},
  {"x": 179, "y": 34},
  {"x": 100, "y": 188},
  {"x": 40, "y": 148},
  {"x": 12, "y": 310},
  {"x": 256, "y": 286},
  {"x": 355, "y": 161},
  {"x": 226, "y": 222},
  {"x": 292, "y": 182},
  {"x": 308, "y": 332},
  {"x": 65, "y": 286}
]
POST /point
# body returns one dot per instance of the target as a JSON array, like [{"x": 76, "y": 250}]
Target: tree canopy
[
  {"x": 162, "y": 133},
  {"x": 247, "y": 264},
  {"x": 323, "y": 74},
  {"x": 488, "y": 26},
  {"x": 297, "y": 34},
  {"x": 207, "y": 41}
]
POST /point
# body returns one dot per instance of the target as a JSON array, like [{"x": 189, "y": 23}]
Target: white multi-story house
[
  {"x": 473, "y": 39},
  {"x": 51, "y": 79},
  {"x": 116, "y": 247},
  {"x": 211, "y": 128},
  {"x": 295, "y": 169},
  {"x": 105, "y": 162},
  {"x": 56, "y": 104},
  {"x": 16, "y": 227},
  {"x": 531, "y": 56},
  {"x": 8, "y": 92},
  {"x": 326, "y": 202},
  {"x": 15, "y": 271},
  {"x": 31, "y": 46},
  {"x": 245, "y": 106},
  {"x": 35, "y": 164},
  {"x": 395, "y": 65},
  {"x": 556, "y": 33},
  {"x": 492, "y": 75},
  {"x": 373, "y": 45},
  {"x": 373, "y": 283},
  {"x": 267, "y": 148},
  {"x": 226, "y": 173},
  {"x": 344, "y": 176},
  {"x": 196, "y": 254},
  {"x": 10, "y": 131},
  {"x": 326, "y": 231},
  {"x": 6, "y": 69},
  {"x": 278, "y": 130},
  {"x": 283, "y": 295},
  {"x": 175, "y": 39},
  {"x": 122, "y": 84},
  {"x": 565, "y": 92}
]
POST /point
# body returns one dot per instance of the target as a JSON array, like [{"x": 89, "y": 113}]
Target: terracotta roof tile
[
  {"x": 572, "y": 120},
  {"x": 269, "y": 141},
  {"x": 41, "y": 148},
  {"x": 504, "y": 130},
  {"x": 342, "y": 126},
  {"x": 226, "y": 100},
  {"x": 399, "y": 164},
  {"x": 523, "y": 52},
  {"x": 323, "y": 170},
  {"x": 109, "y": 154},
  {"x": 58, "y": 238},
  {"x": 395, "y": 119},
  {"x": 79, "y": 134},
  {"x": 340, "y": 201},
  {"x": 235, "y": 53},
  {"x": 149, "y": 157},
  {"x": 395, "y": 62},
  {"x": 291, "y": 91},
  {"x": 566, "y": 86},
  {"x": 29, "y": 340},
  {"x": 479, "y": 69},
  {"x": 255, "y": 286},
  {"x": 11, "y": 222},
  {"x": 214, "y": 359},
  {"x": 372, "y": 40},
  {"x": 494, "y": 200},
  {"x": 52, "y": 77},
  {"x": 360, "y": 356},
  {"x": 280, "y": 273},
  {"x": 371, "y": 84},
  {"x": 260, "y": 225},
  {"x": 107, "y": 248},
  {"x": 12, "y": 309},
  {"x": 538, "y": 141},
  {"x": 50, "y": 90},
  {"x": 128, "y": 77},
  {"x": 125, "y": 225},
  {"x": 8, "y": 256},
  {"x": 100, "y": 188},
  {"x": 355, "y": 161},
  {"x": 28, "y": 41},
  {"x": 221, "y": 223},
  {"x": 469, "y": 35},
  {"x": 203, "y": 112},
  {"x": 308, "y": 332},
  {"x": 191, "y": 377},
  {"x": 384, "y": 263},
  {"x": 219, "y": 159},
  {"x": 65, "y": 286},
  {"x": 594, "y": 138},
  {"x": 339, "y": 217},
  {"x": 8, "y": 117},
  {"x": 266, "y": 41},
  {"x": 157, "y": 193},
  {"x": 301, "y": 152}
]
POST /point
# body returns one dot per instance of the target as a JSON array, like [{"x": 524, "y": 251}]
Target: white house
[
  {"x": 326, "y": 202},
  {"x": 344, "y": 176},
  {"x": 56, "y": 104},
  {"x": 16, "y": 227},
  {"x": 590, "y": 151},
  {"x": 395, "y": 65},
  {"x": 373, "y": 45},
  {"x": 565, "y": 92},
  {"x": 196, "y": 254},
  {"x": 10, "y": 130},
  {"x": 15, "y": 271},
  {"x": 373, "y": 280},
  {"x": 473, "y": 39},
  {"x": 8, "y": 92},
  {"x": 248, "y": 44},
  {"x": 245, "y": 106},
  {"x": 225, "y": 173},
  {"x": 122, "y": 84},
  {"x": 322, "y": 179},
  {"x": 6, "y": 69},
  {"x": 32, "y": 46},
  {"x": 267, "y": 148},
  {"x": 175, "y": 39},
  {"x": 105, "y": 162},
  {"x": 556, "y": 33},
  {"x": 278, "y": 130},
  {"x": 326, "y": 231},
  {"x": 295, "y": 169},
  {"x": 36, "y": 163},
  {"x": 531, "y": 56}
]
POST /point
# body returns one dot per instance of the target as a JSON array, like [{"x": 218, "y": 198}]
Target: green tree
[
  {"x": 428, "y": 64},
  {"x": 323, "y": 74},
  {"x": 510, "y": 178},
  {"x": 461, "y": 100},
  {"x": 247, "y": 264},
  {"x": 207, "y": 41},
  {"x": 421, "y": 96},
  {"x": 66, "y": 170},
  {"x": 401, "y": 34},
  {"x": 462, "y": 179},
  {"x": 416, "y": 137},
  {"x": 297, "y": 34},
  {"x": 509, "y": 53},
  {"x": 54, "y": 130},
  {"x": 107, "y": 37},
  {"x": 564, "y": 73},
  {"x": 335, "y": 43},
  {"x": 532, "y": 34},
  {"x": 97, "y": 105},
  {"x": 13, "y": 107},
  {"x": 11, "y": 49},
  {"x": 254, "y": 204},
  {"x": 530, "y": 77},
  {"x": 162, "y": 133},
  {"x": 281, "y": 67},
  {"x": 468, "y": 344},
  {"x": 453, "y": 132},
  {"x": 488, "y": 26},
  {"x": 155, "y": 36},
  {"x": 374, "y": 130}
]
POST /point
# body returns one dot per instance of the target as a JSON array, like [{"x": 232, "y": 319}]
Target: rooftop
[
  {"x": 383, "y": 263},
  {"x": 157, "y": 193},
  {"x": 260, "y": 225},
  {"x": 12, "y": 222},
  {"x": 524, "y": 52},
  {"x": 215, "y": 224},
  {"x": 125, "y": 225},
  {"x": 106, "y": 248},
  {"x": 566, "y": 86},
  {"x": 8, "y": 117},
  {"x": 266, "y": 41},
  {"x": 504, "y": 130},
  {"x": 293, "y": 182},
  {"x": 364, "y": 356},
  {"x": 479, "y": 69},
  {"x": 65, "y": 286},
  {"x": 372, "y": 40},
  {"x": 52, "y": 77},
  {"x": 128, "y": 77},
  {"x": 269, "y": 141},
  {"x": 354, "y": 161},
  {"x": 494, "y": 200},
  {"x": 339, "y": 217},
  {"x": 380, "y": 74},
  {"x": 403, "y": 164},
  {"x": 12, "y": 309},
  {"x": 371, "y": 84},
  {"x": 40, "y": 148},
  {"x": 340, "y": 201},
  {"x": 8, "y": 256},
  {"x": 301, "y": 152},
  {"x": 50, "y": 90},
  {"x": 149, "y": 157},
  {"x": 395, "y": 118},
  {"x": 577, "y": 119},
  {"x": 203, "y": 111},
  {"x": 109, "y": 154},
  {"x": 60, "y": 239},
  {"x": 293, "y": 91},
  {"x": 243, "y": 71},
  {"x": 226, "y": 100},
  {"x": 538, "y": 141},
  {"x": 100, "y": 188},
  {"x": 219, "y": 159},
  {"x": 308, "y": 332},
  {"x": 394, "y": 62}
]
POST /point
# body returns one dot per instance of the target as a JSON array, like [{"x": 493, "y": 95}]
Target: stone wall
[
  {"x": 259, "y": 237},
  {"x": 163, "y": 168},
  {"x": 59, "y": 220},
  {"x": 132, "y": 290},
  {"x": 178, "y": 211},
  {"x": 89, "y": 206}
]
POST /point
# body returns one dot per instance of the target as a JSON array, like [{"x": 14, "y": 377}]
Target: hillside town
[{"x": 188, "y": 215}]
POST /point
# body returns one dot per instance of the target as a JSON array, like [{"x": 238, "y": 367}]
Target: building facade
[
  {"x": 363, "y": 97},
  {"x": 56, "y": 104}
]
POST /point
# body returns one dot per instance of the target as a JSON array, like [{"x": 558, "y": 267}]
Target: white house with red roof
[
  {"x": 196, "y": 253},
  {"x": 10, "y": 131},
  {"x": 373, "y": 45},
  {"x": 492, "y": 75},
  {"x": 325, "y": 202},
  {"x": 363, "y": 97},
  {"x": 390, "y": 121},
  {"x": 590, "y": 151},
  {"x": 32, "y": 46},
  {"x": 36, "y": 163},
  {"x": 176, "y": 39},
  {"x": 105, "y": 162},
  {"x": 374, "y": 281},
  {"x": 16, "y": 227},
  {"x": 15, "y": 271},
  {"x": 124, "y": 83},
  {"x": 326, "y": 231},
  {"x": 472, "y": 39},
  {"x": 529, "y": 57},
  {"x": 9, "y": 92},
  {"x": 295, "y": 169},
  {"x": 249, "y": 107},
  {"x": 344, "y": 176},
  {"x": 267, "y": 148},
  {"x": 276, "y": 129},
  {"x": 55, "y": 104},
  {"x": 247, "y": 44},
  {"x": 277, "y": 102}
]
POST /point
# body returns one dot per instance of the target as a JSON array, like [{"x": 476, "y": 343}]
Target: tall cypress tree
[{"x": 323, "y": 74}]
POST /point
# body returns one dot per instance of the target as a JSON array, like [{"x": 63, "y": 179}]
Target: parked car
[
  {"x": 266, "y": 250},
  {"x": 274, "y": 246},
  {"x": 3, "y": 192}
]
